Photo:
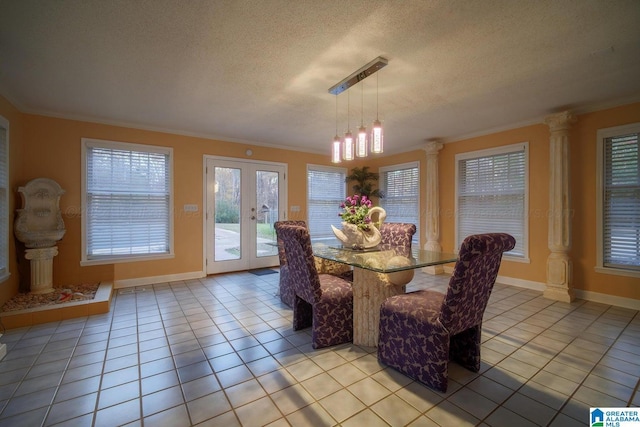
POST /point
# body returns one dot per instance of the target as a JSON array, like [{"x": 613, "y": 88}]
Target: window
[
  {"x": 326, "y": 189},
  {"x": 4, "y": 198},
  {"x": 128, "y": 201},
  {"x": 401, "y": 187},
  {"x": 618, "y": 200},
  {"x": 492, "y": 194}
]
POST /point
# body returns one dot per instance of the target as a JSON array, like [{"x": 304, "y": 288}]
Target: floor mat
[{"x": 262, "y": 271}]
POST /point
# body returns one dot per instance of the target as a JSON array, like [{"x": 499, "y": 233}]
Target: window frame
[
  {"x": 5, "y": 227},
  {"x": 125, "y": 146},
  {"x": 602, "y": 135},
  {"x": 383, "y": 186},
  {"x": 505, "y": 149},
  {"x": 331, "y": 169}
]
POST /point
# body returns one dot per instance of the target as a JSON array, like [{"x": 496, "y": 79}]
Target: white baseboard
[
  {"x": 631, "y": 303},
  {"x": 142, "y": 281},
  {"x": 521, "y": 283}
]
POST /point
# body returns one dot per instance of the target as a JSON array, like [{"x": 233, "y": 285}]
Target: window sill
[
  {"x": 516, "y": 259},
  {"x": 120, "y": 260},
  {"x": 617, "y": 271}
]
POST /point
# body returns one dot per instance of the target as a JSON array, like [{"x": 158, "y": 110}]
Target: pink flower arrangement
[{"x": 355, "y": 210}]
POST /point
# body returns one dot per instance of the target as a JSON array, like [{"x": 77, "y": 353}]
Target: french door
[{"x": 244, "y": 199}]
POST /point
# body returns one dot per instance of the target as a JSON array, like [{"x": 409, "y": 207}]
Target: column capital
[
  {"x": 432, "y": 146},
  {"x": 560, "y": 121}
]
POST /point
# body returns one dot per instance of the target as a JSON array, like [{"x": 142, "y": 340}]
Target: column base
[
  {"x": 559, "y": 293},
  {"x": 559, "y": 272},
  {"x": 434, "y": 246},
  {"x": 434, "y": 270}
]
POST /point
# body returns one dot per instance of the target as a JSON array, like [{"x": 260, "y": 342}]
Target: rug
[{"x": 262, "y": 271}]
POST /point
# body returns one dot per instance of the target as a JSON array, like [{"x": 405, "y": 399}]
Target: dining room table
[{"x": 378, "y": 273}]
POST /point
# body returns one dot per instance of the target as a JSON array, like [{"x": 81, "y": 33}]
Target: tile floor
[{"x": 221, "y": 352}]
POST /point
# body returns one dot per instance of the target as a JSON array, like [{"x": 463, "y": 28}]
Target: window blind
[
  {"x": 128, "y": 202},
  {"x": 401, "y": 199},
  {"x": 621, "y": 210},
  {"x": 491, "y": 196},
  {"x": 325, "y": 192}
]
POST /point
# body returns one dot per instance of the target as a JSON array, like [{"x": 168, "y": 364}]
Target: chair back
[
  {"x": 281, "y": 254},
  {"x": 302, "y": 269},
  {"x": 473, "y": 278},
  {"x": 397, "y": 235}
]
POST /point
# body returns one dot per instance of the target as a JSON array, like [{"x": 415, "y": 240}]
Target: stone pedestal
[
  {"x": 41, "y": 269},
  {"x": 370, "y": 289}
]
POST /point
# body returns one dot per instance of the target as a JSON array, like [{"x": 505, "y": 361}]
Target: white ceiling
[{"x": 259, "y": 71}]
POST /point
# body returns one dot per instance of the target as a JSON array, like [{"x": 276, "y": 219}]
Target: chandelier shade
[
  {"x": 336, "y": 146},
  {"x": 361, "y": 145},
  {"x": 348, "y": 146},
  {"x": 377, "y": 137}
]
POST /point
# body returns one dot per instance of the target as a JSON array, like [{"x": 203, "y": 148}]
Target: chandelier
[{"x": 347, "y": 148}]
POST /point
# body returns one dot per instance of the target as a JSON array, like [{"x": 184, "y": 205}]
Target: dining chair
[
  {"x": 322, "y": 301},
  {"x": 285, "y": 288},
  {"x": 398, "y": 236},
  {"x": 421, "y": 331}
]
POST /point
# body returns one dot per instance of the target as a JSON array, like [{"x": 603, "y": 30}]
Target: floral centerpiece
[
  {"x": 360, "y": 222},
  {"x": 355, "y": 210}
]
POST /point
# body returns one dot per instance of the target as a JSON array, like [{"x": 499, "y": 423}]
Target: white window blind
[
  {"x": 4, "y": 198},
  {"x": 492, "y": 194},
  {"x": 621, "y": 202},
  {"x": 128, "y": 200},
  {"x": 325, "y": 191},
  {"x": 401, "y": 187}
]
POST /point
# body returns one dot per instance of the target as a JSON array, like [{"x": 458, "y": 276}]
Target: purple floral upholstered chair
[
  {"x": 397, "y": 235},
  {"x": 322, "y": 301},
  {"x": 421, "y": 331},
  {"x": 285, "y": 287}
]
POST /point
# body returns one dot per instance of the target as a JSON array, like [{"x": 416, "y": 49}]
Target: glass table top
[{"x": 382, "y": 260}]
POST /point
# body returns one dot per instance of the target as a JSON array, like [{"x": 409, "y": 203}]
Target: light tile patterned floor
[{"x": 221, "y": 352}]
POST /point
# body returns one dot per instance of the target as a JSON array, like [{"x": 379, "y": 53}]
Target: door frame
[{"x": 283, "y": 197}]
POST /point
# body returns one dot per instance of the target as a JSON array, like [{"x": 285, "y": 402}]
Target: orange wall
[
  {"x": 583, "y": 187},
  {"x": 538, "y": 138},
  {"x": 582, "y": 153},
  {"x": 53, "y": 150},
  {"x": 51, "y": 147}
]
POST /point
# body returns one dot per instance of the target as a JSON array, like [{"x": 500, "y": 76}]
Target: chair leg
[
  {"x": 302, "y": 314},
  {"x": 465, "y": 348}
]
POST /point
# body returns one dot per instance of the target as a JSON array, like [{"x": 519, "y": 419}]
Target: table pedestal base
[{"x": 370, "y": 289}]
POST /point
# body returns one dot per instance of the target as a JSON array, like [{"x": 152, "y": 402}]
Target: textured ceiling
[{"x": 258, "y": 71}]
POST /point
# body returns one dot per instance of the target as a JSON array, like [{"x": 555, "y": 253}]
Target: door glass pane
[
  {"x": 267, "y": 213},
  {"x": 227, "y": 213}
]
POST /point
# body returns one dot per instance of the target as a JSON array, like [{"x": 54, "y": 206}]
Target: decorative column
[
  {"x": 432, "y": 222},
  {"x": 559, "y": 268},
  {"x": 41, "y": 269}
]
